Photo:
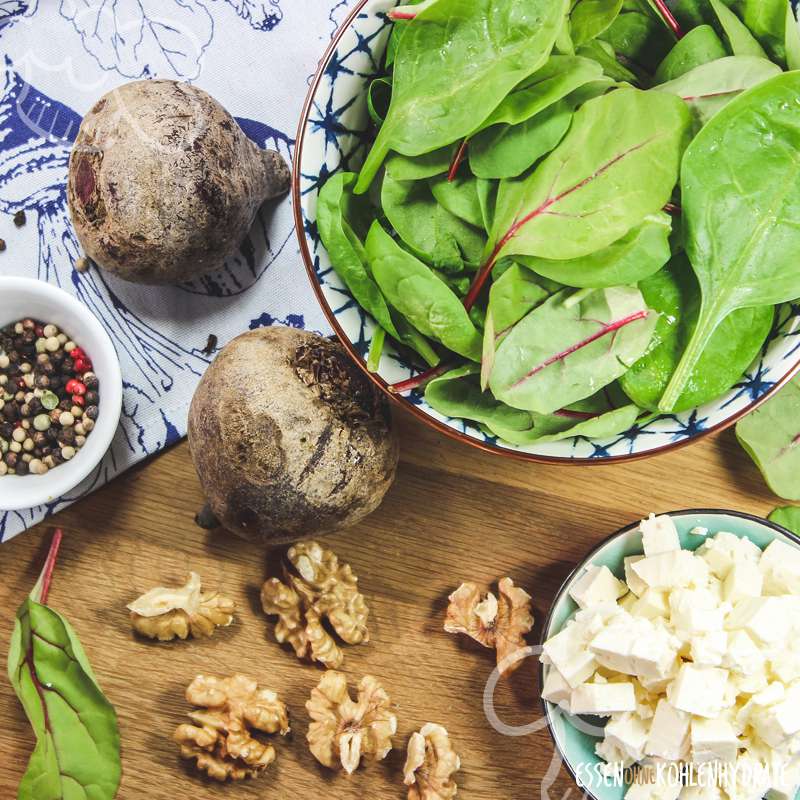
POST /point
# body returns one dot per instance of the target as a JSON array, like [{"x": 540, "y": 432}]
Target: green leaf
[
  {"x": 430, "y": 231},
  {"x": 487, "y": 197},
  {"x": 639, "y": 39},
  {"x": 766, "y": 20},
  {"x": 379, "y": 95},
  {"x": 740, "y": 40},
  {"x": 699, "y": 46},
  {"x": 771, "y": 436},
  {"x": 564, "y": 351},
  {"x": 740, "y": 192},
  {"x": 603, "y": 53},
  {"x": 458, "y": 57},
  {"x": 674, "y": 294},
  {"x": 788, "y": 516},
  {"x": 710, "y": 87},
  {"x": 590, "y": 18},
  {"x": 617, "y": 165},
  {"x": 459, "y": 197},
  {"x": 77, "y": 754},
  {"x": 420, "y": 296},
  {"x": 792, "y": 41},
  {"x": 637, "y": 255},
  {"x": 417, "y": 168}
]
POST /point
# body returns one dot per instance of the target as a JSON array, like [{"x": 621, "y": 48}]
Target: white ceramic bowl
[{"x": 25, "y": 297}]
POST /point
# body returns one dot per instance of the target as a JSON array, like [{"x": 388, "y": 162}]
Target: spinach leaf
[
  {"x": 564, "y": 351},
  {"x": 603, "y": 53},
  {"x": 417, "y": 168},
  {"x": 346, "y": 251},
  {"x": 77, "y": 751},
  {"x": 766, "y": 20},
  {"x": 420, "y": 296},
  {"x": 487, "y": 197},
  {"x": 639, "y": 253},
  {"x": 674, "y": 294},
  {"x": 459, "y": 197},
  {"x": 617, "y": 165},
  {"x": 771, "y": 436},
  {"x": 639, "y": 39},
  {"x": 379, "y": 95},
  {"x": 411, "y": 337},
  {"x": 740, "y": 40},
  {"x": 429, "y": 230},
  {"x": 792, "y": 40},
  {"x": 699, "y": 46},
  {"x": 590, "y": 18},
  {"x": 788, "y": 516},
  {"x": 710, "y": 87},
  {"x": 454, "y": 64},
  {"x": 740, "y": 184}
]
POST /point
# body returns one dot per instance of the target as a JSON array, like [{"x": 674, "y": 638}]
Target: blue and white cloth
[{"x": 256, "y": 57}]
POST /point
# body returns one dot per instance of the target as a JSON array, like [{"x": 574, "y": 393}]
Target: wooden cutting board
[{"x": 454, "y": 514}]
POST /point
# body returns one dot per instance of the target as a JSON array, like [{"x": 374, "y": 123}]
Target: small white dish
[{"x": 26, "y": 297}]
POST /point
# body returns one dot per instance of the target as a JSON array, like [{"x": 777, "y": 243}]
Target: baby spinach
[
  {"x": 700, "y": 46},
  {"x": 639, "y": 253},
  {"x": 589, "y": 18},
  {"x": 788, "y": 516},
  {"x": 740, "y": 191},
  {"x": 710, "y": 87},
  {"x": 565, "y": 351},
  {"x": 456, "y": 58},
  {"x": 77, "y": 751},
  {"x": 792, "y": 38},
  {"x": 617, "y": 165},
  {"x": 379, "y": 94},
  {"x": 459, "y": 197},
  {"x": 430, "y": 230},
  {"x": 673, "y": 293},
  {"x": 420, "y": 296},
  {"x": 740, "y": 40},
  {"x": 603, "y": 53},
  {"x": 766, "y": 20},
  {"x": 417, "y": 168},
  {"x": 487, "y": 197},
  {"x": 771, "y": 436},
  {"x": 639, "y": 39}
]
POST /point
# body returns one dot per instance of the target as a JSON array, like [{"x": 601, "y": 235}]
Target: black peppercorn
[
  {"x": 22, "y": 467},
  {"x": 91, "y": 412},
  {"x": 11, "y": 459},
  {"x": 92, "y": 398}
]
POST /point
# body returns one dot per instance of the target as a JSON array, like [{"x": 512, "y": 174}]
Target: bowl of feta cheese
[{"x": 670, "y": 663}]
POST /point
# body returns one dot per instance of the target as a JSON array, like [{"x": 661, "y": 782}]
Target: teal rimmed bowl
[{"x": 575, "y": 738}]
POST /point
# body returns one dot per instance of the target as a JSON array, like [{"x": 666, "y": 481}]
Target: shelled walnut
[
  {"x": 343, "y": 731},
  {"x": 222, "y": 740},
  {"x": 430, "y": 765},
  {"x": 317, "y": 588},
  {"x": 496, "y": 623},
  {"x": 164, "y": 613}
]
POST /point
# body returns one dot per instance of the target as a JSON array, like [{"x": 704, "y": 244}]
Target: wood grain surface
[{"x": 454, "y": 514}]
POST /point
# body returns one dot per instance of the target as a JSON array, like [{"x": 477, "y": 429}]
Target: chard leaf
[
  {"x": 77, "y": 738},
  {"x": 740, "y": 40},
  {"x": 637, "y": 255},
  {"x": 564, "y": 351},
  {"x": 590, "y": 18},
  {"x": 431, "y": 232},
  {"x": 699, "y": 46},
  {"x": 788, "y": 516},
  {"x": 673, "y": 293},
  {"x": 740, "y": 191},
  {"x": 454, "y": 64},
  {"x": 710, "y": 87},
  {"x": 420, "y": 296},
  {"x": 771, "y": 436},
  {"x": 617, "y": 165}
]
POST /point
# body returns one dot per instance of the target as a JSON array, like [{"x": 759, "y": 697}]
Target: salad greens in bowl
[{"x": 560, "y": 230}]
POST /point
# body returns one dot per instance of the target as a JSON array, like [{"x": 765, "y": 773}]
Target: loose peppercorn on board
[{"x": 454, "y": 514}]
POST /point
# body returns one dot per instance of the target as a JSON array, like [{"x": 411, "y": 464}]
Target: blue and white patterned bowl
[{"x": 333, "y": 135}]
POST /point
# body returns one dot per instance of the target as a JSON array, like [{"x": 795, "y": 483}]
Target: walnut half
[
  {"x": 231, "y": 711},
  {"x": 343, "y": 731},
  {"x": 317, "y": 588},
  {"x": 166, "y": 613},
  {"x": 500, "y": 623},
  {"x": 430, "y": 765}
]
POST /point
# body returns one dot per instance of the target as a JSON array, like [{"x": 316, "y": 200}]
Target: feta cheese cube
[
  {"x": 785, "y": 781},
  {"x": 668, "y": 570},
  {"x": 659, "y": 535},
  {"x": 776, "y": 723},
  {"x": 567, "y": 652},
  {"x": 556, "y": 689},
  {"x": 597, "y": 586},
  {"x": 613, "y": 756},
  {"x": 722, "y": 550},
  {"x": 669, "y": 733},
  {"x": 713, "y": 740},
  {"x": 635, "y": 583},
  {"x": 742, "y": 655},
  {"x": 699, "y": 690},
  {"x": 766, "y": 619},
  {"x": 659, "y": 781},
  {"x": 628, "y": 734},
  {"x": 603, "y": 699},
  {"x": 780, "y": 565},
  {"x": 749, "y": 780},
  {"x": 651, "y": 604},
  {"x": 635, "y": 647},
  {"x": 709, "y": 649},
  {"x": 744, "y": 579},
  {"x": 695, "y": 611},
  {"x": 785, "y": 665}
]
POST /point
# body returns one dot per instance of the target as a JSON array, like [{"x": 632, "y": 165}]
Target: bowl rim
[
  {"x": 402, "y": 402},
  {"x": 61, "y": 483},
  {"x": 559, "y": 596}
]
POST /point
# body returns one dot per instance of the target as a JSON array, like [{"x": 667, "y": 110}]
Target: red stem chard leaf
[
  {"x": 617, "y": 165},
  {"x": 771, "y": 436},
  {"x": 77, "y": 753},
  {"x": 564, "y": 351},
  {"x": 454, "y": 64},
  {"x": 741, "y": 191}
]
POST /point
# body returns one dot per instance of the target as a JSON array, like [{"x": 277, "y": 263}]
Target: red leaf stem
[
  {"x": 47, "y": 573},
  {"x": 669, "y": 18},
  {"x": 419, "y": 380},
  {"x": 457, "y": 159}
]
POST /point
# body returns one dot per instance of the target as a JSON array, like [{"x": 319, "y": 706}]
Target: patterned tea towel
[{"x": 254, "y": 56}]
